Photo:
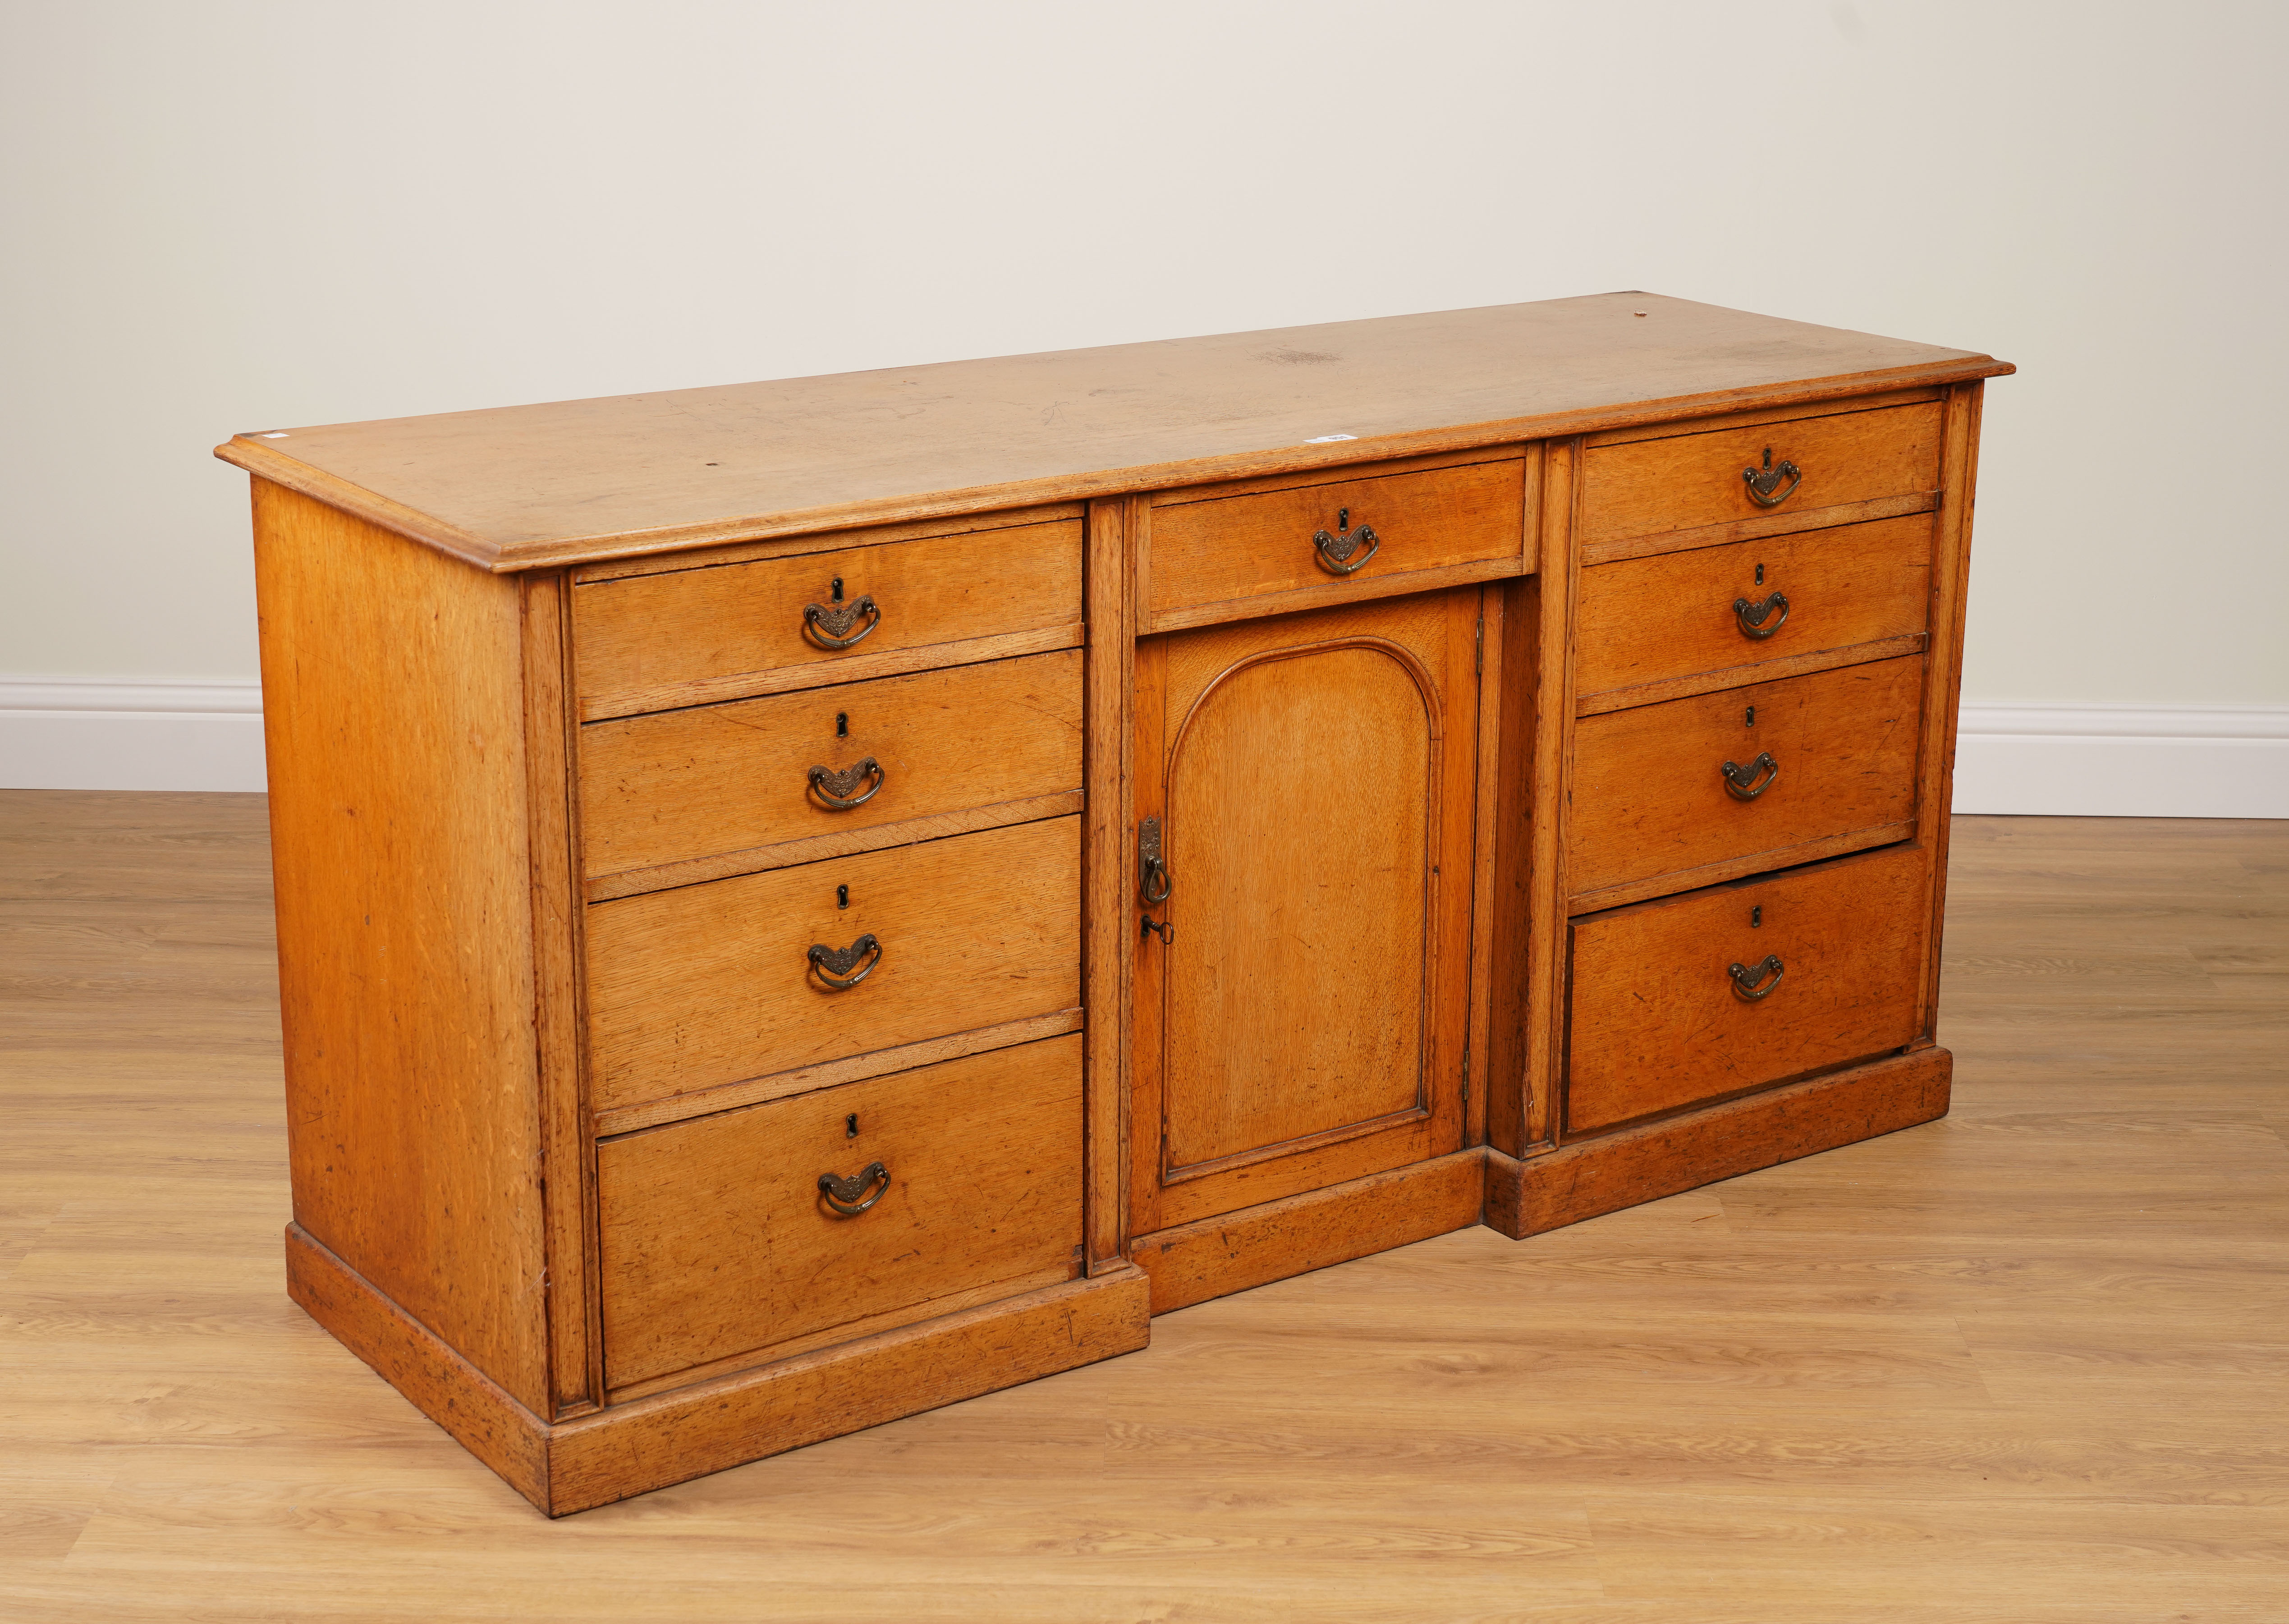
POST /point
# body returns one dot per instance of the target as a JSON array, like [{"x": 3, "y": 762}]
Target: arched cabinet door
[{"x": 1302, "y": 994}]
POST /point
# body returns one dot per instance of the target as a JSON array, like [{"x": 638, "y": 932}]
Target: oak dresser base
[{"x": 804, "y": 902}]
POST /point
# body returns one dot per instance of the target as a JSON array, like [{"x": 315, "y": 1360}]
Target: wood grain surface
[
  {"x": 717, "y": 1240},
  {"x": 1211, "y": 1257},
  {"x": 1657, "y": 1024},
  {"x": 395, "y": 728},
  {"x": 1655, "y": 619},
  {"x": 696, "y": 987},
  {"x": 736, "y": 778},
  {"x": 580, "y": 481},
  {"x": 1683, "y": 481},
  {"x": 712, "y": 631},
  {"x": 1609, "y": 1171},
  {"x": 1649, "y": 800},
  {"x": 1305, "y": 1022},
  {"x": 1220, "y": 544},
  {"x": 2021, "y": 1366}
]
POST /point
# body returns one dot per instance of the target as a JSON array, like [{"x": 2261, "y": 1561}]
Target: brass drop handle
[
  {"x": 828, "y": 624},
  {"x": 1335, "y": 551},
  {"x": 833, "y": 788},
  {"x": 1753, "y": 617},
  {"x": 1747, "y": 783},
  {"x": 834, "y": 964},
  {"x": 1753, "y": 983},
  {"x": 1765, "y": 487},
  {"x": 843, "y": 1195}
]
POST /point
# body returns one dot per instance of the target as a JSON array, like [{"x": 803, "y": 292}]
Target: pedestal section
[
  {"x": 628, "y": 1449},
  {"x": 1721, "y": 1141}
]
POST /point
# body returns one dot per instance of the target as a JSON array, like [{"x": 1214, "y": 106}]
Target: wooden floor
[{"x": 2028, "y": 1364}]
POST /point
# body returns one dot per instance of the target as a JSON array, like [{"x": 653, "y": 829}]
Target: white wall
[{"x": 242, "y": 214}]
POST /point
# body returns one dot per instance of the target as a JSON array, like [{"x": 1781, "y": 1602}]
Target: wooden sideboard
[{"x": 803, "y": 902}]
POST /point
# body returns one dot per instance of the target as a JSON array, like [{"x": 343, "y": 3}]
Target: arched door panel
[{"x": 1300, "y": 1007}]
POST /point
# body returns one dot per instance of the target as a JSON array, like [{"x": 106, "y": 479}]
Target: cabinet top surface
[{"x": 521, "y": 487}]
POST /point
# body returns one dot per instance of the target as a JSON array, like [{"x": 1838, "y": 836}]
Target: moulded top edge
[{"x": 582, "y": 482}]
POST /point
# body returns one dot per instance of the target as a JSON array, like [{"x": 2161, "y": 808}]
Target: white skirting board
[
  {"x": 2123, "y": 760},
  {"x": 2072, "y": 760},
  {"x": 97, "y": 733}
]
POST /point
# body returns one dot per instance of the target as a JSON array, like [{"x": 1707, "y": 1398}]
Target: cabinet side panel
[
  {"x": 1511, "y": 1081},
  {"x": 1950, "y": 584},
  {"x": 1550, "y": 797},
  {"x": 394, "y": 727}
]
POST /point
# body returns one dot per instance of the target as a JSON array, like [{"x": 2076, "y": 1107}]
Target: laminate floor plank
[{"x": 2022, "y": 1366}]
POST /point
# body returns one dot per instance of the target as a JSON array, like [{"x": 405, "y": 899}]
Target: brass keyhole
[
  {"x": 850, "y": 1125},
  {"x": 1753, "y": 717},
  {"x": 1755, "y": 917},
  {"x": 834, "y": 590},
  {"x": 842, "y": 724},
  {"x": 1761, "y": 574},
  {"x": 842, "y": 896}
]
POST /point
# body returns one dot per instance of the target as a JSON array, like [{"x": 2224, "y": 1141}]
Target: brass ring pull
[
  {"x": 1335, "y": 551},
  {"x": 833, "y": 964},
  {"x": 1752, "y": 984},
  {"x": 833, "y": 788},
  {"x": 843, "y": 1194},
  {"x": 828, "y": 624},
  {"x": 1744, "y": 782},
  {"x": 1152, "y": 877},
  {"x": 1765, "y": 488},
  {"x": 1752, "y": 617}
]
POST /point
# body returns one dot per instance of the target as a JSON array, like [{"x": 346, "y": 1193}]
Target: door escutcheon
[{"x": 1152, "y": 877}]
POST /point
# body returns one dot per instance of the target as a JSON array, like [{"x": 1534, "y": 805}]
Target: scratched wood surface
[
  {"x": 584, "y": 481},
  {"x": 2022, "y": 1365}
]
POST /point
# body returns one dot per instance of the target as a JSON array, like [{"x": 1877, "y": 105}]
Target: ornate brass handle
[
  {"x": 843, "y": 1194},
  {"x": 1335, "y": 551},
  {"x": 1152, "y": 877},
  {"x": 833, "y": 964},
  {"x": 1744, "y": 783},
  {"x": 828, "y": 624},
  {"x": 833, "y": 788},
  {"x": 1765, "y": 487},
  {"x": 1752, "y": 617},
  {"x": 1753, "y": 983}
]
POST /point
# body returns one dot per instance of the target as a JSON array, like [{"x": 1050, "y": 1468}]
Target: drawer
[
  {"x": 1660, "y": 1020},
  {"x": 717, "y": 1240},
  {"x": 1649, "y": 798},
  {"x": 1680, "y": 614},
  {"x": 1683, "y": 482},
  {"x": 1227, "y": 543},
  {"x": 758, "y": 773},
  {"x": 713, "y": 984},
  {"x": 651, "y": 643}
]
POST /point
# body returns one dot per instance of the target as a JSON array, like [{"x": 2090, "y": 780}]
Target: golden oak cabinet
[{"x": 803, "y": 902}]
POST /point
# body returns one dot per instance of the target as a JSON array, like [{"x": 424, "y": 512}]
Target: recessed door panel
[
  {"x": 1303, "y": 988},
  {"x": 1299, "y": 816}
]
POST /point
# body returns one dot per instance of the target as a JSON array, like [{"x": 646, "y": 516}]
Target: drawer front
[
  {"x": 1680, "y": 614},
  {"x": 1683, "y": 482},
  {"x": 713, "y": 984},
  {"x": 717, "y": 1239},
  {"x": 1659, "y": 1020},
  {"x": 1650, "y": 797},
  {"x": 756, "y": 773},
  {"x": 1209, "y": 548},
  {"x": 650, "y": 643}
]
